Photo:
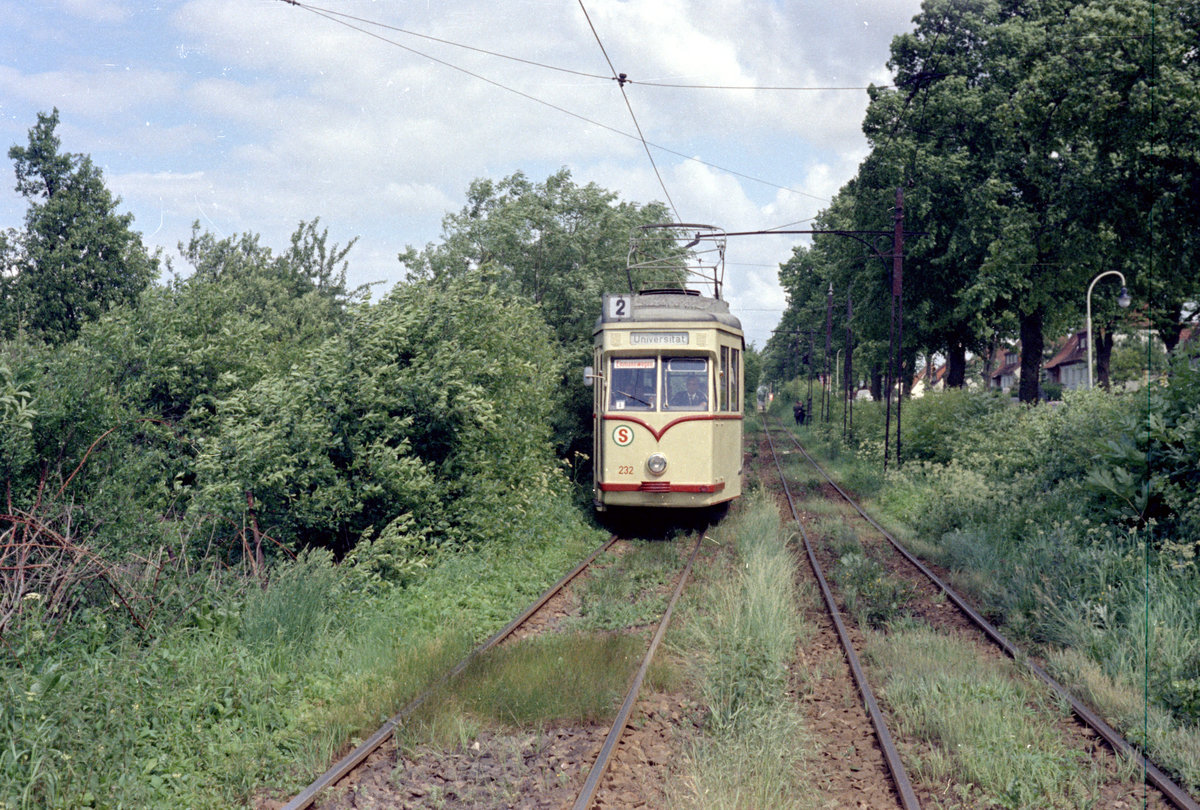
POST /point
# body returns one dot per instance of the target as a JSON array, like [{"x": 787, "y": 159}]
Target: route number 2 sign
[{"x": 618, "y": 307}]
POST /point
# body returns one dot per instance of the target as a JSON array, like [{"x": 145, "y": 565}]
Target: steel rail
[
  {"x": 350, "y": 761},
  {"x": 600, "y": 766},
  {"x": 908, "y": 797},
  {"x": 1173, "y": 792}
]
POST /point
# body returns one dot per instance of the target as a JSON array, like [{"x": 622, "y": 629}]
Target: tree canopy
[
  {"x": 1038, "y": 145},
  {"x": 76, "y": 257},
  {"x": 555, "y": 243}
]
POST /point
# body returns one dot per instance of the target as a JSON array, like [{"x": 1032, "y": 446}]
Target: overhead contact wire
[
  {"x": 332, "y": 18},
  {"x": 464, "y": 46},
  {"x": 572, "y": 71},
  {"x": 621, "y": 79}
]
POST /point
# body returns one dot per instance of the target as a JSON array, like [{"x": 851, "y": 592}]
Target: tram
[{"x": 668, "y": 388}]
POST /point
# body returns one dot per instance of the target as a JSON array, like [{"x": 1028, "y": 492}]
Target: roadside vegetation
[
  {"x": 989, "y": 732},
  {"x": 745, "y": 620},
  {"x": 245, "y": 511},
  {"x": 1074, "y": 527}
]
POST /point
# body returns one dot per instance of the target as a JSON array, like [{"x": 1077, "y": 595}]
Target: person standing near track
[{"x": 798, "y": 412}]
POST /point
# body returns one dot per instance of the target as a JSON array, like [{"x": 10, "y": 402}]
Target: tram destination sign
[{"x": 658, "y": 338}]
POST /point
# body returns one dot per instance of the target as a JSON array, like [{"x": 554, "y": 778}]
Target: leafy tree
[
  {"x": 555, "y": 243},
  {"x": 427, "y": 417},
  {"x": 1136, "y": 124},
  {"x": 1039, "y": 144},
  {"x": 147, "y": 379},
  {"x": 76, "y": 257}
]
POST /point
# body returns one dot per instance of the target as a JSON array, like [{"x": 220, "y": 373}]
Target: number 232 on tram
[{"x": 667, "y": 407}]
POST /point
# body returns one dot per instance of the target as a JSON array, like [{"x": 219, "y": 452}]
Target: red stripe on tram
[{"x": 658, "y": 434}]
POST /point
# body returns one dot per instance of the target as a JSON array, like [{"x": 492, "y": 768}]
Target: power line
[
  {"x": 332, "y": 18},
  {"x": 534, "y": 63},
  {"x": 453, "y": 43},
  {"x": 790, "y": 224},
  {"x": 620, "y": 77}
]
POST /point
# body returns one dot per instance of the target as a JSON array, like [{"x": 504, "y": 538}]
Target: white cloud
[{"x": 252, "y": 116}]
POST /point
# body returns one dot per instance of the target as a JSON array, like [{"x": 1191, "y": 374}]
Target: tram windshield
[
  {"x": 686, "y": 382},
  {"x": 634, "y": 384}
]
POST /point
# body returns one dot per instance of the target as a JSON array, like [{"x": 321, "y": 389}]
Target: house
[
  {"x": 931, "y": 378},
  {"x": 1006, "y": 376},
  {"x": 1068, "y": 366}
]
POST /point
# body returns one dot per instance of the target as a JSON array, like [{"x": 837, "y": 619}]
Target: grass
[
  {"x": 990, "y": 729},
  {"x": 552, "y": 679},
  {"x": 249, "y": 690},
  {"x": 834, "y": 531},
  {"x": 747, "y": 623},
  {"x": 872, "y": 596},
  {"x": 624, "y": 590},
  {"x": 1173, "y": 746}
]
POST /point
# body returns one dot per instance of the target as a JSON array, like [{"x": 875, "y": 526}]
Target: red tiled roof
[
  {"x": 1006, "y": 368},
  {"x": 1073, "y": 351},
  {"x": 939, "y": 375}
]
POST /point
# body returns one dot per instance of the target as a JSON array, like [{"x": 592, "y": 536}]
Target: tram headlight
[{"x": 656, "y": 464}]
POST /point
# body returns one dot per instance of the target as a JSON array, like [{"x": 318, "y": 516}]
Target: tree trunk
[
  {"x": 956, "y": 374},
  {"x": 1032, "y": 345},
  {"x": 1171, "y": 336},
  {"x": 1103, "y": 349},
  {"x": 993, "y": 347}
]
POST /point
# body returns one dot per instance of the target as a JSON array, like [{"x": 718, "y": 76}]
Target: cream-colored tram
[{"x": 668, "y": 387}]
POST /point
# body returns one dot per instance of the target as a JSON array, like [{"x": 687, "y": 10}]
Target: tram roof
[{"x": 673, "y": 305}]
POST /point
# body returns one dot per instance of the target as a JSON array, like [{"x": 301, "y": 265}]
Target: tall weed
[
  {"x": 294, "y": 607},
  {"x": 749, "y": 624}
]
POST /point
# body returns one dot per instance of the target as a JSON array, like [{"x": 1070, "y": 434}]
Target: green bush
[
  {"x": 391, "y": 418},
  {"x": 938, "y": 424}
]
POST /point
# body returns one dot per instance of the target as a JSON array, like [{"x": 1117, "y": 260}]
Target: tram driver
[
  {"x": 686, "y": 381},
  {"x": 692, "y": 396}
]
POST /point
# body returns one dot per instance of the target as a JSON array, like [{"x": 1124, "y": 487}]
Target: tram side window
[
  {"x": 723, "y": 381},
  {"x": 633, "y": 384},
  {"x": 686, "y": 383},
  {"x": 735, "y": 392}
]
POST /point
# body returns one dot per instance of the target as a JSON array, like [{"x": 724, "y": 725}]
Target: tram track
[
  {"x": 350, "y": 761},
  {"x": 591, "y": 785},
  {"x": 904, "y": 792},
  {"x": 1171, "y": 794},
  {"x": 351, "y": 769}
]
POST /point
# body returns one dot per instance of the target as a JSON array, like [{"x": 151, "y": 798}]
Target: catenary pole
[{"x": 898, "y": 292}]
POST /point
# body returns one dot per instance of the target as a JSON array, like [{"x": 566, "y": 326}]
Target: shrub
[{"x": 435, "y": 403}]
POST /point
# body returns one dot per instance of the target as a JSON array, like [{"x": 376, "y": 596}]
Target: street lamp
[{"x": 1123, "y": 299}]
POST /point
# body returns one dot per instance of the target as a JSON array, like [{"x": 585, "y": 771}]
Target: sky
[{"x": 255, "y": 115}]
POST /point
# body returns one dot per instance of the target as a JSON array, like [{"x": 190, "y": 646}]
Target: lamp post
[{"x": 1123, "y": 300}]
